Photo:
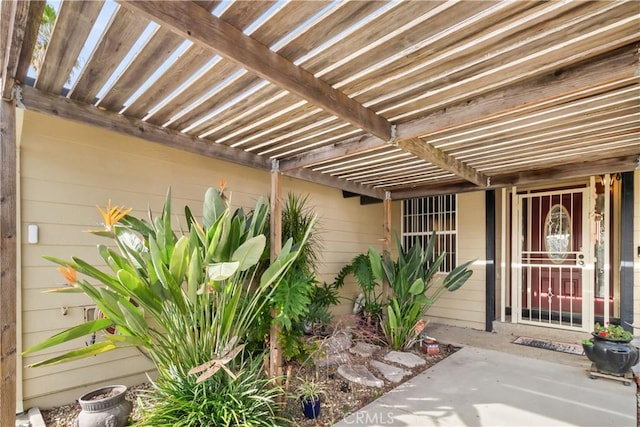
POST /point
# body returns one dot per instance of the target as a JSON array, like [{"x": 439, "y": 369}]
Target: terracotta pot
[
  {"x": 104, "y": 407},
  {"x": 612, "y": 357}
]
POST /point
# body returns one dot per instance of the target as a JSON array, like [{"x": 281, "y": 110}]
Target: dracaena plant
[
  {"x": 413, "y": 288},
  {"x": 188, "y": 300}
]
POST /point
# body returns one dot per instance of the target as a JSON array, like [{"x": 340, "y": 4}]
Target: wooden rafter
[
  {"x": 360, "y": 144},
  {"x": 553, "y": 174},
  {"x": 437, "y": 157},
  {"x": 204, "y": 29},
  {"x": 15, "y": 14},
  {"x": 121, "y": 35},
  {"x": 621, "y": 64},
  {"x": 36, "y": 8},
  {"x": 66, "y": 108},
  {"x": 330, "y": 181},
  {"x": 73, "y": 24}
]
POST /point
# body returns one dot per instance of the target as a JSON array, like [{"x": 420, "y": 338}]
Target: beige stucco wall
[
  {"x": 68, "y": 169},
  {"x": 466, "y": 306}
]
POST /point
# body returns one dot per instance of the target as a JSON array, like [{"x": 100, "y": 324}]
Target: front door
[{"x": 553, "y": 283}]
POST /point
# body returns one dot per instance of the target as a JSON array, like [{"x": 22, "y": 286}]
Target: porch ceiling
[{"x": 414, "y": 98}]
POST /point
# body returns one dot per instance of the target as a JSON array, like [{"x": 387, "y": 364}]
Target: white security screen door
[{"x": 553, "y": 283}]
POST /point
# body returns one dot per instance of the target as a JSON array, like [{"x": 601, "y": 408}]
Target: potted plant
[
  {"x": 104, "y": 406},
  {"x": 609, "y": 348},
  {"x": 310, "y": 393}
]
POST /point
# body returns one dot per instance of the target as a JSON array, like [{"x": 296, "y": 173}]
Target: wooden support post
[
  {"x": 8, "y": 263},
  {"x": 386, "y": 243},
  {"x": 386, "y": 205},
  {"x": 275, "y": 352}
]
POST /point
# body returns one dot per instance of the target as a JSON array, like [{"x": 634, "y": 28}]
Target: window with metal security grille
[{"x": 422, "y": 216}]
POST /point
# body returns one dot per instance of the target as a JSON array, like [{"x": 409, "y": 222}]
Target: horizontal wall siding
[
  {"x": 67, "y": 169},
  {"x": 466, "y": 306}
]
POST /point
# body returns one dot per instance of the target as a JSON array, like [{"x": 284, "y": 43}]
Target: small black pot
[
  {"x": 612, "y": 357},
  {"x": 310, "y": 407}
]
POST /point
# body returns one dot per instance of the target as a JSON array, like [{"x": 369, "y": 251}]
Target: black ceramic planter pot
[{"x": 612, "y": 357}]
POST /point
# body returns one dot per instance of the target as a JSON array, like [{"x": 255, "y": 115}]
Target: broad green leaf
[
  {"x": 393, "y": 320},
  {"x": 376, "y": 263},
  {"x": 194, "y": 276},
  {"x": 126, "y": 339},
  {"x": 81, "y": 330},
  {"x": 460, "y": 280},
  {"x": 91, "y": 271},
  {"x": 134, "y": 319},
  {"x": 179, "y": 259},
  {"x": 157, "y": 261},
  {"x": 222, "y": 270},
  {"x": 109, "y": 306},
  {"x": 214, "y": 206},
  {"x": 65, "y": 290},
  {"x": 139, "y": 291},
  {"x": 92, "y": 350},
  {"x": 417, "y": 287},
  {"x": 139, "y": 225},
  {"x": 249, "y": 253},
  {"x": 279, "y": 266}
]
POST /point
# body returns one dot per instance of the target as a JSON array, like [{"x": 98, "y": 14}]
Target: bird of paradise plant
[
  {"x": 413, "y": 290},
  {"x": 185, "y": 300}
]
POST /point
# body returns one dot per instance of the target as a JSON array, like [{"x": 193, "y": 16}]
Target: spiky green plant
[
  {"x": 413, "y": 290},
  {"x": 188, "y": 301},
  {"x": 293, "y": 298}
]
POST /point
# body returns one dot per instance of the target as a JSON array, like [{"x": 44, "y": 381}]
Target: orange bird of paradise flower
[{"x": 69, "y": 274}]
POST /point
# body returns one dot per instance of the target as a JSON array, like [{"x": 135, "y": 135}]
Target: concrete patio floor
[{"x": 492, "y": 382}]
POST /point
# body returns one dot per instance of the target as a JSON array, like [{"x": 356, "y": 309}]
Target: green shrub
[
  {"x": 413, "y": 290},
  {"x": 178, "y": 400},
  {"x": 189, "y": 301}
]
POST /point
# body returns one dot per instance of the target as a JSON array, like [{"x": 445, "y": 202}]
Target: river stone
[
  {"x": 404, "y": 358},
  {"x": 359, "y": 374},
  {"x": 338, "y": 343},
  {"x": 392, "y": 373},
  {"x": 326, "y": 360},
  {"x": 364, "y": 349}
]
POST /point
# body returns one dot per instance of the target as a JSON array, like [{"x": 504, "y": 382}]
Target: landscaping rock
[
  {"x": 404, "y": 358},
  {"x": 326, "y": 360},
  {"x": 392, "y": 373},
  {"x": 364, "y": 349},
  {"x": 359, "y": 374},
  {"x": 338, "y": 343}
]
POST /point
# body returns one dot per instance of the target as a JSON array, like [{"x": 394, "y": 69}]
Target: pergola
[{"x": 388, "y": 100}]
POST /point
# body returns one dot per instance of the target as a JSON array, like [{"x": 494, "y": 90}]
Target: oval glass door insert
[{"x": 557, "y": 233}]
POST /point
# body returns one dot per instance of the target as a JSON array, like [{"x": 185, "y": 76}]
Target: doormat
[{"x": 563, "y": 347}]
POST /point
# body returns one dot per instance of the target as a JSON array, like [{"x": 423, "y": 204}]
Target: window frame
[{"x": 424, "y": 232}]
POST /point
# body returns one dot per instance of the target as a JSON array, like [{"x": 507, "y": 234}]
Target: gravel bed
[{"x": 343, "y": 397}]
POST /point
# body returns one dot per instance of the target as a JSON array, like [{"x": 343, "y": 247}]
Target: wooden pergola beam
[
  {"x": 66, "y": 108},
  {"x": 196, "y": 24},
  {"x": 15, "y": 14},
  {"x": 619, "y": 65},
  {"x": 360, "y": 144},
  {"x": 36, "y": 9},
  {"x": 439, "y": 158},
  {"x": 539, "y": 176},
  {"x": 330, "y": 181}
]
